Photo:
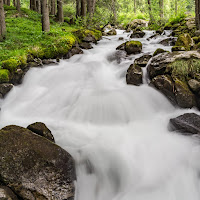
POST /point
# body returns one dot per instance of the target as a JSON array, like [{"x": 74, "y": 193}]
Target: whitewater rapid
[{"x": 117, "y": 133}]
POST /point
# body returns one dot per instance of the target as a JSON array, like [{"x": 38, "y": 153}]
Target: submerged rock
[
  {"x": 188, "y": 123},
  {"x": 85, "y": 45},
  {"x": 134, "y": 75},
  {"x": 41, "y": 129},
  {"x": 33, "y": 167},
  {"x": 143, "y": 60}
]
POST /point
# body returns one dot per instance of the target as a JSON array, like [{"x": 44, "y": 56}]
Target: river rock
[
  {"x": 184, "y": 96},
  {"x": 168, "y": 42},
  {"x": 194, "y": 85},
  {"x": 137, "y": 23},
  {"x": 188, "y": 123},
  {"x": 134, "y": 75},
  {"x": 137, "y": 34},
  {"x": 159, "y": 51},
  {"x": 48, "y": 62},
  {"x": 33, "y": 167},
  {"x": 185, "y": 41},
  {"x": 165, "y": 84},
  {"x": 7, "y": 194},
  {"x": 73, "y": 51},
  {"x": 5, "y": 88},
  {"x": 159, "y": 63},
  {"x": 131, "y": 47},
  {"x": 85, "y": 45},
  {"x": 155, "y": 36},
  {"x": 41, "y": 129},
  {"x": 143, "y": 60},
  {"x": 112, "y": 32},
  {"x": 18, "y": 76},
  {"x": 118, "y": 56}
]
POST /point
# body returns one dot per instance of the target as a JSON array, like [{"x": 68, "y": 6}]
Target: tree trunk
[
  {"x": 8, "y": 2},
  {"x": 83, "y": 8},
  {"x": 161, "y": 9},
  {"x": 53, "y": 7},
  {"x": 60, "y": 11},
  {"x": 150, "y": 12},
  {"x": 2, "y": 22},
  {"x": 45, "y": 16},
  {"x": 18, "y": 5},
  {"x": 78, "y": 12},
  {"x": 135, "y": 6},
  {"x": 14, "y": 3},
  {"x": 176, "y": 8},
  {"x": 113, "y": 7},
  {"x": 197, "y": 14},
  {"x": 38, "y": 6}
]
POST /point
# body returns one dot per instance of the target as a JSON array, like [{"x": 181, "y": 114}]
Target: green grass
[
  {"x": 185, "y": 67},
  {"x": 24, "y": 32}
]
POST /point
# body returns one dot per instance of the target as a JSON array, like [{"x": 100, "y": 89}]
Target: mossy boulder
[
  {"x": 137, "y": 34},
  {"x": 33, "y": 167},
  {"x": 168, "y": 26},
  {"x": 168, "y": 42},
  {"x": 196, "y": 39},
  {"x": 10, "y": 64},
  {"x": 36, "y": 52},
  {"x": 112, "y": 32},
  {"x": 194, "y": 85},
  {"x": 184, "y": 96},
  {"x": 159, "y": 51},
  {"x": 4, "y": 76},
  {"x": 134, "y": 75},
  {"x": 133, "y": 47},
  {"x": 185, "y": 41}
]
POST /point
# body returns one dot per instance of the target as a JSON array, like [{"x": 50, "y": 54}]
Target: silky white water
[{"x": 117, "y": 133}]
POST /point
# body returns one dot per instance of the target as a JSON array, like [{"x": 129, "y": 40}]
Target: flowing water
[{"x": 117, "y": 133}]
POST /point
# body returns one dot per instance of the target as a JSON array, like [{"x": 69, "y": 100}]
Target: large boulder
[
  {"x": 136, "y": 23},
  {"x": 143, "y": 60},
  {"x": 112, "y": 32},
  {"x": 176, "y": 76},
  {"x": 188, "y": 124},
  {"x": 165, "y": 84},
  {"x": 41, "y": 129},
  {"x": 33, "y": 167},
  {"x": 159, "y": 51},
  {"x": 185, "y": 41},
  {"x": 7, "y": 194},
  {"x": 134, "y": 75}
]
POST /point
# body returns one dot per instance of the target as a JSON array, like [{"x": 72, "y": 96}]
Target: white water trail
[{"x": 116, "y": 133}]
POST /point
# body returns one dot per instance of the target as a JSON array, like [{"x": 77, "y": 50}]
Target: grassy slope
[{"x": 24, "y": 31}]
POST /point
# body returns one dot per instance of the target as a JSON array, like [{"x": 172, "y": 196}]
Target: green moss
[
  {"x": 10, "y": 64},
  {"x": 185, "y": 40},
  {"x": 36, "y": 52},
  {"x": 158, "y": 51},
  {"x": 184, "y": 67},
  {"x": 133, "y": 43},
  {"x": 196, "y": 39},
  {"x": 178, "y": 48},
  {"x": 4, "y": 76}
]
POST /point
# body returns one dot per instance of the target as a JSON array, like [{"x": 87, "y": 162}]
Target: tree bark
[
  {"x": 38, "y": 6},
  {"x": 135, "y": 6},
  {"x": 14, "y": 3},
  {"x": 53, "y": 7},
  {"x": 8, "y": 2},
  {"x": 78, "y": 11},
  {"x": 83, "y": 8},
  {"x": 197, "y": 14},
  {"x": 45, "y": 16},
  {"x": 2, "y": 22},
  {"x": 113, "y": 7},
  {"x": 150, "y": 11},
  {"x": 176, "y": 8},
  {"x": 18, "y": 5},
  {"x": 60, "y": 11},
  {"x": 161, "y": 9}
]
